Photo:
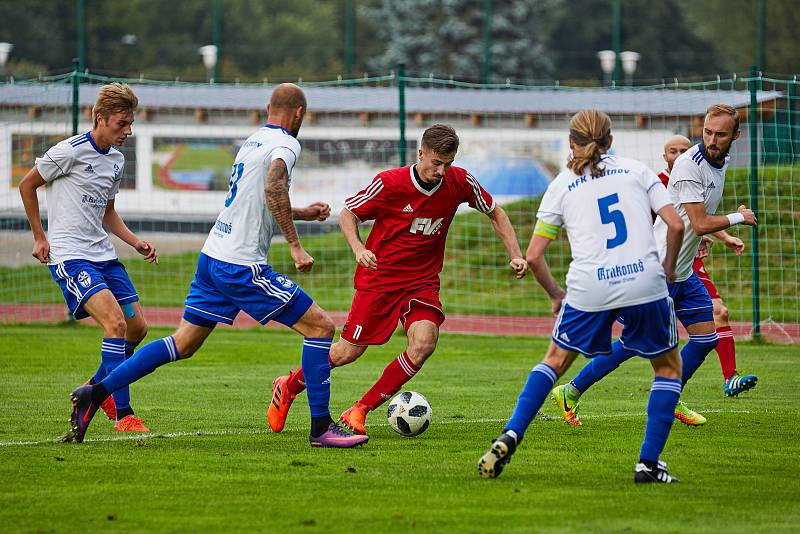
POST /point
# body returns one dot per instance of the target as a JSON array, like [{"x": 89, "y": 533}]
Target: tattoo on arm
[{"x": 277, "y": 191}]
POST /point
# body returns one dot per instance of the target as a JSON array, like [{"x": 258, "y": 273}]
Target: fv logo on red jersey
[{"x": 426, "y": 226}]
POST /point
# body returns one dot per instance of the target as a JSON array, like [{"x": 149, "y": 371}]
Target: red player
[
  {"x": 397, "y": 277},
  {"x": 726, "y": 349}
]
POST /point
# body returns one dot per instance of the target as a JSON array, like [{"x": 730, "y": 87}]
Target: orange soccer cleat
[
  {"x": 281, "y": 401},
  {"x": 355, "y": 417},
  {"x": 108, "y": 406},
  {"x": 130, "y": 423}
]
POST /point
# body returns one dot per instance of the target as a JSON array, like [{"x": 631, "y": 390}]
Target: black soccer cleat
[
  {"x": 656, "y": 475},
  {"x": 499, "y": 454}
]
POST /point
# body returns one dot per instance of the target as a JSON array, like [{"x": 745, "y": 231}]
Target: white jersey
[
  {"x": 609, "y": 226},
  {"x": 245, "y": 226},
  {"x": 693, "y": 179},
  {"x": 81, "y": 179}
]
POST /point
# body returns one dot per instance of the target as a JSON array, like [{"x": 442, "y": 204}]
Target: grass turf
[{"x": 209, "y": 464}]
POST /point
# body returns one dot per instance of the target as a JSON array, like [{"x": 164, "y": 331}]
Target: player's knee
[
  {"x": 721, "y": 313},
  {"x": 323, "y": 326},
  {"x": 114, "y": 326},
  {"x": 419, "y": 350},
  {"x": 136, "y": 332}
]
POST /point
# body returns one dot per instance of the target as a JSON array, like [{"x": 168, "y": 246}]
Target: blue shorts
[
  {"x": 648, "y": 329},
  {"x": 221, "y": 289},
  {"x": 80, "y": 279},
  {"x": 692, "y": 301}
]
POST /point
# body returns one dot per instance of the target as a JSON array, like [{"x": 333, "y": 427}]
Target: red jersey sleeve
[
  {"x": 477, "y": 197},
  {"x": 369, "y": 202}
]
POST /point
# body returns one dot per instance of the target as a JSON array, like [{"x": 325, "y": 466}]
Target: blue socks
[
  {"x": 317, "y": 372},
  {"x": 112, "y": 354},
  {"x": 664, "y": 395},
  {"x": 540, "y": 382},
  {"x": 599, "y": 366},
  {"x": 695, "y": 351},
  {"x": 145, "y": 361}
]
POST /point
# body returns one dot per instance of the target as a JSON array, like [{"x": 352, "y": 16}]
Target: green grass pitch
[{"x": 208, "y": 463}]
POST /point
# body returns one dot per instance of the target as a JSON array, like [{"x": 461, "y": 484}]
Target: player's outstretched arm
[
  {"x": 114, "y": 224},
  {"x": 502, "y": 227},
  {"x": 732, "y": 242},
  {"x": 348, "y": 223},
  {"x": 277, "y": 193},
  {"x": 318, "y": 211},
  {"x": 675, "y": 232},
  {"x": 703, "y": 223},
  {"x": 541, "y": 271},
  {"x": 27, "y": 190}
]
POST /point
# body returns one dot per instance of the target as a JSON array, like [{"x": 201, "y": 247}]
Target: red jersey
[
  {"x": 411, "y": 224},
  {"x": 664, "y": 177}
]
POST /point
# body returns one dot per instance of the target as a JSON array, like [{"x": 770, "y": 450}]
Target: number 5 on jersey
[
  {"x": 236, "y": 175},
  {"x": 615, "y": 217}
]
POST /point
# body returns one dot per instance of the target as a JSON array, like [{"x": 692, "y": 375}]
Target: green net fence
[{"x": 513, "y": 139}]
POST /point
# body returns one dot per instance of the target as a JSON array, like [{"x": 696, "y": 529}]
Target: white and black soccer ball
[{"x": 409, "y": 413}]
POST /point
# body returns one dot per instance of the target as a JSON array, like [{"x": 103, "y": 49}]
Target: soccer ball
[{"x": 409, "y": 413}]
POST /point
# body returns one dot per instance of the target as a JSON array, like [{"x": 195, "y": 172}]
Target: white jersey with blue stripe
[
  {"x": 244, "y": 228},
  {"x": 609, "y": 226},
  {"x": 81, "y": 179},
  {"x": 693, "y": 179}
]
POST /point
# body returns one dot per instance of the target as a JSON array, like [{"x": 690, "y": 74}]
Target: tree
[{"x": 446, "y": 37}]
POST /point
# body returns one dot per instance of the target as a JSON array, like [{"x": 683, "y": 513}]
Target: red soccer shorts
[
  {"x": 373, "y": 316},
  {"x": 700, "y": 270}
]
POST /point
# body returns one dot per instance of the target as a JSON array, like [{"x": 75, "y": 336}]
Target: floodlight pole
[
  {"x": 486, "y": 71},
  {"x": 5, "y": 50},
  {"x": 349, "y": 32},
  {"x": 761, "y": 21},
  {"x": 608, "y": 58},
  {"x": 81, "y": 28},
  {"x": 216, "y": 35},
  {"x": 617, "y": 37}
]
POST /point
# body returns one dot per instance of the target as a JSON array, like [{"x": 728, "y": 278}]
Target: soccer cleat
[
  {"x": 686, "y": 415},
  {"x": 130, "y": 423},
  {"x": 338, "y": 437},
  {"x": 739, "y": 384},
  {"x": 499, "y": 454},
  {"x": 108, "y": 406},
  {"x": 355, "y": 417},
  {"x": 282, "y": 399},
  {"x": 82, "y": 412},
  {"x": 567, "y": 406},
  {"x": 645, "y": 475}
]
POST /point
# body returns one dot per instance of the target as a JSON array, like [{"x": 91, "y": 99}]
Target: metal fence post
[
  {"x": 755, "y": 78},
  {"x": 401, "y": 111},
  {"x": 76, "y": 81}
]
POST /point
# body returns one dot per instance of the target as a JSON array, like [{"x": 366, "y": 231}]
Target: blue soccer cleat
[
  {"x": 739, "y": 384},
  {"x": 82, "y": 412}
]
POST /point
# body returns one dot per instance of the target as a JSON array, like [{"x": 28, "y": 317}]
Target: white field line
[{"x": 133, "y": 437}]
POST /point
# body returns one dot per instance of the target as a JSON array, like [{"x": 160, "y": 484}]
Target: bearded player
[
  {"x": 397, "y": 277},
  {"x": 695, "y": 186}
]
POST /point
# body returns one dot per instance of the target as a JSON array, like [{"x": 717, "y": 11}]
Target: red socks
[
  {"x": 726, "y": 350},
  {"x": 396, "y": 374}
]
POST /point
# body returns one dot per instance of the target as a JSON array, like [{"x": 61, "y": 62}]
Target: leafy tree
[{"x": 446, "y": 37}]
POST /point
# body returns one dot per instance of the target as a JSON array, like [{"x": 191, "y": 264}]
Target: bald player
[
  {"x": 726, "y": 348},
  {"x": 233, "y": 275}
]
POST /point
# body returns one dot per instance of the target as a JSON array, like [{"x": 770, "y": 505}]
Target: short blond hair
[
  {"x": 724, "y": 109},
  {"x": 114, "y": 98}
]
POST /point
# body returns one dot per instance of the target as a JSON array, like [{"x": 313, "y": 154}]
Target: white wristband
[{"x": 735, "y": 218}]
